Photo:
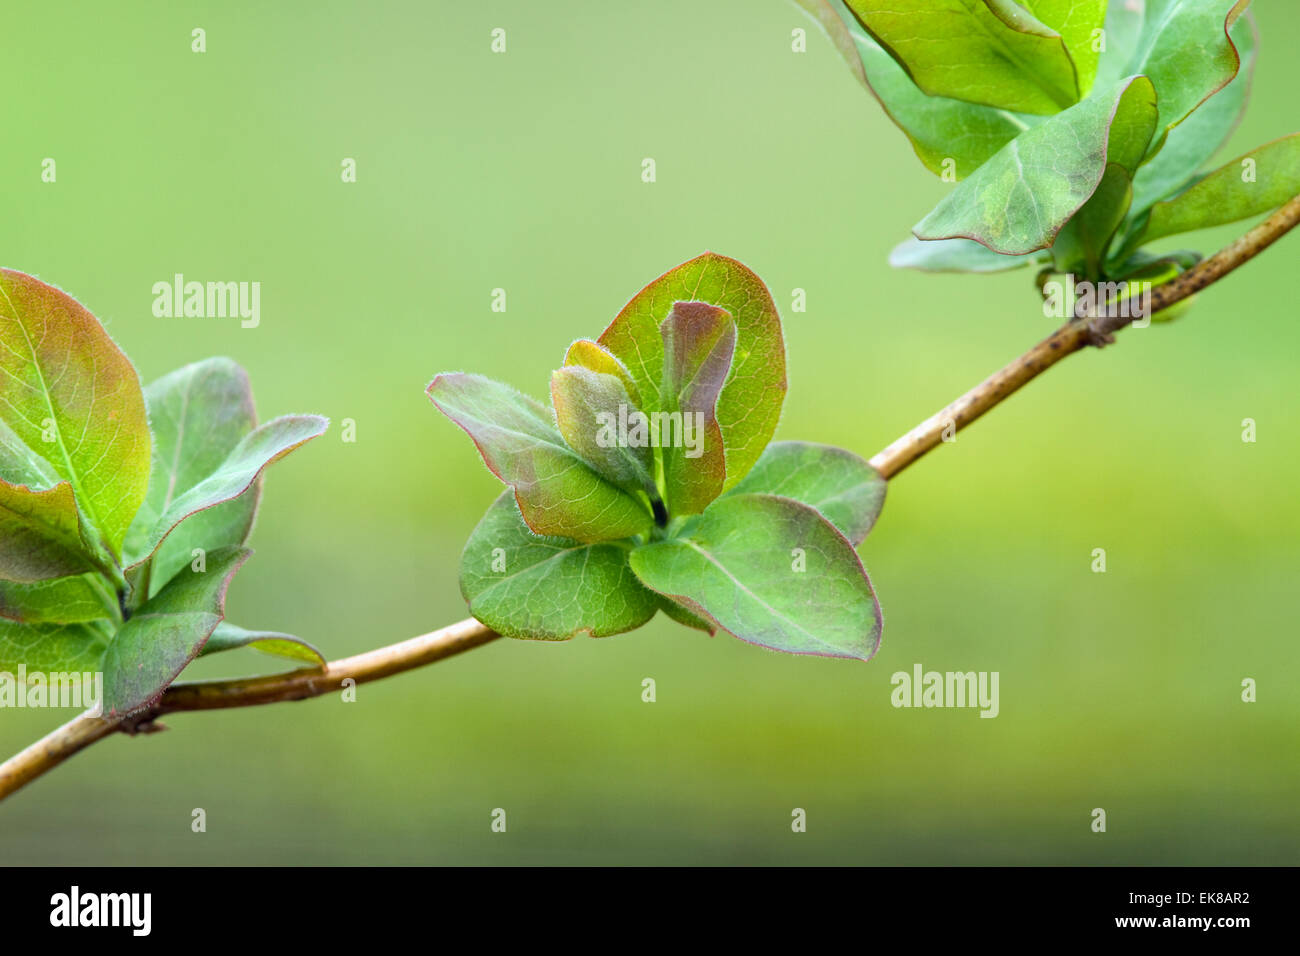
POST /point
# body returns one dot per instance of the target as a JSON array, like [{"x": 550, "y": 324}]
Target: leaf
[
  {"x": 952, "y": 255},
  {"x": 39, "y": 534},
  {"x": 587, "y": 354},
  {"x": 949, "y": 136},
  {"x": 682, "y": 615},
  {"x": 1082, "y": 244},
  {"x": 62, "y": 377},
  {"x": 1190, "y": 144},
  {"x": 548, "y": 588},
  {"x": 751, "y": 398},
  {"x": 1155, "y": 268},
  {"x": 231, "y": 478},
  {"x": 1123, "y": 28},
  {"x": 51, "y": 648},
  {"x": 1183, "y": 46},
  {"x": 199, "y": 414},
  {"x": 699, "y": 343},
  {"x": 558, "y": 493},
  {"x": 228, "y": 637},
  {"x": 1226, "y": 196},
  {"x": 21, "y": 465},
  {"x": 842, "y": 487},
  {"x": 739, "y": 568},
  {"x": 1018, "y": 201},
  {"x": 591, "y": 408},
  {"x": 64, "y": 600},
  {"x": 1080, "y": 248},
  {"x": 166, "y": 633},
  {"x": 1077, "y": 21},
  {"x": 991, "y": 52}
]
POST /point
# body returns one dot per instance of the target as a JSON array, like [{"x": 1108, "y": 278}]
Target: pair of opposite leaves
[
  {"x": 106, "y": 487},
  {"x": 1078, "y": 126},
  {"x": 595, "y": 536}
]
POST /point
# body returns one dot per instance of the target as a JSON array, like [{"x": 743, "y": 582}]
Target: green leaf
[
  {"x": 1123, "y": 28},
  {"x": 39, "y": 534},
  {"x": 1077, "y": 21},
  {"x": 1080, "y": 248},
  {"x": 1018, "y": 201},
  {"x": 71, "y": 402},
  {"x": 228, "y": 637},
  {"x": 740, "y": 568},
  {"x": 1190, "y": 144},
  {"x": 842, "y": 487},
  {"x": 548, "y": 588},
  {"x": 949, "y": 136},
  {"x": 558, "y": 492},
  {"x": 991, "y": 52},
  {"x": 751, "y": 399},
  {"x": 198, "y": 414},
  {"x": 65, "y": 600},
  {"x": 699, "y": 343},
  {"x": 952, "y": 255},
  {"x": 166, "y": 633},
  {"x": 1227, "y": 194},
  {"x": 682, "y": 615},
  {"x": 589, "y": 409},
  {"x": 52, "y": 648},
  {"x": 208, "y": 460},
  {"x": 587, "y": 354},
  {"x": 232, "y": 477},
  {"x": 1082, "y": 245},
  {"x": 1155, "y": 268},
  {"x": 1183, "y": 46}
]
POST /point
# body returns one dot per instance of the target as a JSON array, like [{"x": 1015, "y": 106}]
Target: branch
[
  {"x": 1074, "y": 336},
  {"x": 81, "y": 732}
]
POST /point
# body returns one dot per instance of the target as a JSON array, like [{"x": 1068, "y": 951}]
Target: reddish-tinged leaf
[
  {"x": 39, "y": 537},
  {"x": 71, "y": 398},
  {"x": 558, "y": 493},
  {"x": 751, "y": 398},
  {"x": 699, "y": 342}
]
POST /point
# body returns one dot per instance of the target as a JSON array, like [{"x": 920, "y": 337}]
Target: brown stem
[
  {"x": 1073, "y": 336},
  {"x": 83, "y": 731},
  {"x": 998, "y": 386}
]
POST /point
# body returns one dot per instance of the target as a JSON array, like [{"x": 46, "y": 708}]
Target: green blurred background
[{"x": 523, "y": 171}]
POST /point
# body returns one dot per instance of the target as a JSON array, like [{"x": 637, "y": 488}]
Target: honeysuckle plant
[
  {"x": 1077, "y": 137},
  {"x": 124, "y": 512},
  {"x": 1077, "y": 132},
  {"x": 650, "y": 484}
]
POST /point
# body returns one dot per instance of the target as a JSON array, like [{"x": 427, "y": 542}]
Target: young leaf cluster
[
  {"x": 1077, "y": 131},
  {"x": 650, "y": 484},
  {"x": 124, "y": 512}
]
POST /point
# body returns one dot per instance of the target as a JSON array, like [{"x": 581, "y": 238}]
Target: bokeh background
[{"x": 523, "y": 171}]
